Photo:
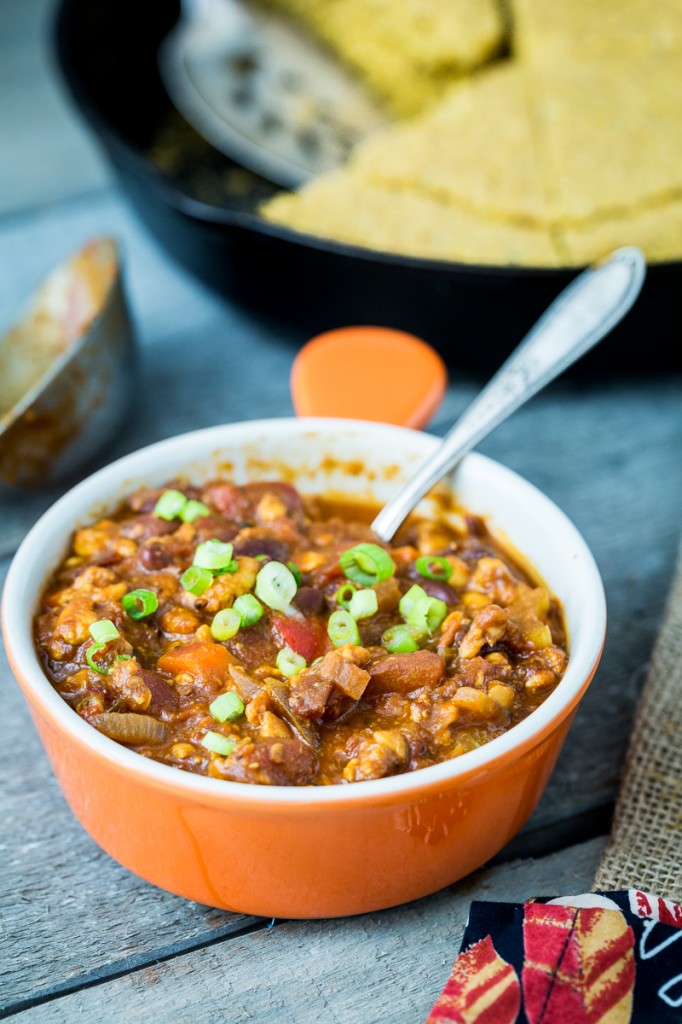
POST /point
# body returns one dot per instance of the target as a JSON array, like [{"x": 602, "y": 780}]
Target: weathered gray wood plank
[
  {"x": 377, "y": 967},
  {"x": 68, "y": 910}
]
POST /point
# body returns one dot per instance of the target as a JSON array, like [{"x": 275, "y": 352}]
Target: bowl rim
[{"x": 56, "y": 524}]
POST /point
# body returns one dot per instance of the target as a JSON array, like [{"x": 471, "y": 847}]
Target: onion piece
[{"x": 129, "y": 727}]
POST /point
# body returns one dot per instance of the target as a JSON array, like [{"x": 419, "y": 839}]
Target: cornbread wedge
[
  {"x": 568, "y": 149},
  {"x": 554, "y": 32},
  {"x": 407, "y": 52},
  {"x": 350, "y": 210}
]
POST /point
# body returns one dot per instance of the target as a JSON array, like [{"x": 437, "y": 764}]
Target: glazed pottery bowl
[{"x": 309, "y": 851}]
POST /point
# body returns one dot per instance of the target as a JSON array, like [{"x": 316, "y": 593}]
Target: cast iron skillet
[{"x": 473, "y": 315}]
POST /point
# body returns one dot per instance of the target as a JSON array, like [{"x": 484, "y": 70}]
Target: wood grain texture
[
  {"x": 340, "y": 971},
  {"x": 67, "y": 910}
]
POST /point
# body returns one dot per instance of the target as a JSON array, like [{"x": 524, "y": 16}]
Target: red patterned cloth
[
  {"x": 482, "y": 987},
  {"x": 610, "y": 958}
]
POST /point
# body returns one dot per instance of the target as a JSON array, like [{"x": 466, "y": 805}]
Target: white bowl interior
[{"x": 363, "y": 460}]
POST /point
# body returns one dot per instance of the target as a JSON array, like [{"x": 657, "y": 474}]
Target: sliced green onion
[
  {"x": 170, "y": 505},
  {"x": 214, "y": 555},
  {"x": 194, "y": 510},
  {"x": 427, "y": 614},
  {"x": 400, "y": 640},
  {"x": 218, "y": 743},
  {"x": 296, "y": 573},
  {"x": 367, "y": 564},
  {"x": 409, "y": 599},
  {"x": 225, "y": 624},
  {"x": 259, "y": 558},
  {"x": 226, "y": 707},
  {"x": 123, "y": 657},
  {"x": 103, "y": 631},
  {"x": 196, "y": 580},
  {"x": 342, "y": 628},
  {"x": 90, "y": 658},
  {"x": 289, "y": 662},
  {"x": 139, "y": 603},
  {"x": 249, "y": 608},
  {"x": 276, "y": 586},
  {"x": 434, "y": 567},
  {"x": 344, "y": 595},
  {"x": 363, "y": 604}
]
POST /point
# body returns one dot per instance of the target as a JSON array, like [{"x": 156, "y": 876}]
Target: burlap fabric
[{"x": 645, "y": 847}]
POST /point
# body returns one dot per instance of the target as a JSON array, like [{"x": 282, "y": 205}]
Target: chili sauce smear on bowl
[{"x": 253, "y": 634}]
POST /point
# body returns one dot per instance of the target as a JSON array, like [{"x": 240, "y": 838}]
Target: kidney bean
[
  {"x": 443, "y": 591},
  {"x": 309, "y": 600},
  {"x": 143, "y": 527},
  {"x": 215, "y": 528},
  {"x": 154, "y": 556},
  {"x": 276, "y": 550}
]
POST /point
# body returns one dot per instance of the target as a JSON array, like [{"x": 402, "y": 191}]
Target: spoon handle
[{"x": 580, "y": 317}]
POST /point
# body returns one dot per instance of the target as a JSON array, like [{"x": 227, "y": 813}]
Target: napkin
[{"x": 613, "y": 956}]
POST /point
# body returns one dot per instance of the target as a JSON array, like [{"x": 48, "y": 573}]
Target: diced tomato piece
[
  {"x": 328, "y": 574},
  {"x": 305, "y": 636},
  {"x": 206, "y": 661}
]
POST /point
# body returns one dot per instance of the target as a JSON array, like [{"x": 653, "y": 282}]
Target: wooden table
[{"x": 84, "y": 940}]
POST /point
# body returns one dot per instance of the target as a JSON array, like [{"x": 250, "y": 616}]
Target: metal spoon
[
  {"x": 262, "y": 91},
  {"x": 580, "y": 317}
]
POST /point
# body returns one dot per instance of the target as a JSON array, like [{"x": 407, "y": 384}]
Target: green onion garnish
[
  {"x": 170, "y": 505},
  {"x": 139, "y": 603},
  {"x": 363, "y": 604},
  {"x": 226, "y": 707},
  {"x": 342, "y": 628},
  {"x": 259, "y": 558},
  {"x": 289, "y": 662},
  {"x": 249, "y": 608},
  {"x": 213, "y": 555},
  {"x": 123, "y": 657},
  {"x": 427, "y": 614},
  {"x": 194, "y": 510},
  {"x": 103, "y": 631},
  {"x": 276, "y": 586},
  {"x": 225, "y": 624},
  {"x": 344, "y": 595},
  {"x": 434, "y": 567},
  {"x": 90, "y": 658},
  {"x": 367, "y": 564},
  {"x": 409, "y": 599},
  {"x": 218, "y": 743},
  {"x": 399, "y": 640},
  {"x": 296, "y": 573},
  {"x": 196, "y": 580}
]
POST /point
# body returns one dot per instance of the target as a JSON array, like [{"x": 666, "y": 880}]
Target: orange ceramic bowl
[{"x": 312, "y": 851}]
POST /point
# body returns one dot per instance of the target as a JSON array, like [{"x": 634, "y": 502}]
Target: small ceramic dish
[
  {"x": 309, "y": 851},
  {"x": 66, "y": 370}
]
